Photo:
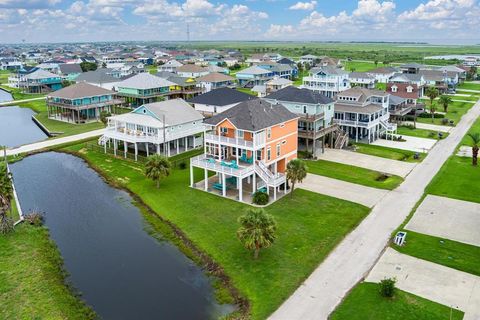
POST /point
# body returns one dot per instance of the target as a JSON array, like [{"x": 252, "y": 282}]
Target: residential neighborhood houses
[{"x": 271, "y": 181}]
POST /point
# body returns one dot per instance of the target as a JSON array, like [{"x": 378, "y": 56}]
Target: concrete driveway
[
  {"x": 432, "y": 281},
  {"x": 412, "y": 143},
  {"x": 465, "y": 151},
  {"x": 429, "y": 126},
  {"x": 343, "y": 190},
  {"x": 395, "y": 167},
  {"x": 447, "y": 218}
]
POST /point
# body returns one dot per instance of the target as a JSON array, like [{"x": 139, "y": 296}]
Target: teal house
[
  {"x": 143, "y": 88},
  {"x": 40, "y": 81},
  {"x": 80, "y": 103}
]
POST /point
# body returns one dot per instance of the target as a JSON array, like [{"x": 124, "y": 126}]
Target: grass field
[
  {"x": 467, "y": 141},
  {"x": 456, "y": 179},
  {"x": 4, "y": 74},
  {"x": 353, "y": 174},
  {"x": 247, "y": 91},
  {"x": 19, "y": 95},
  {"x": 360, "y": 66},
  {"x": 389, "y": 153},
  {"x": 67, "y": 129},
  {"x": 470, "y": 86},
  {"x": 472, "y": 94},
  {"x": 455, "y": 111},
  {"x": 446, "y": 252},
  {"x": 32, "y": 280},
  {"x": 421, "y": 133},
  {"x": 309, "y": 226},
  {"x": 364, "y": 302},
  {"x": 469, "y": 98}
]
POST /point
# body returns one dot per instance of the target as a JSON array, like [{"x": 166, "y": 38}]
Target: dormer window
[
  {"x": 409, "y": 89},
  {"x": 394, "y": 88},
  {"x": 269, "y": 133}
]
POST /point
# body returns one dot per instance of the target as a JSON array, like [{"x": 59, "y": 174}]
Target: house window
[
  {"x": 269, "y": 154},
  {"x": 278, "y": 150},
  {"x": 304, "y": 109},
  {"x": 223, "y": 131},
  {"x": 282, "y": 125},
  {"x": 269, "y": 133},
  {"x": 394, "y": 89},
  {"x": 409, "y": 89},
  {"x": 259, "y": 155},
  {"x": 240, "y": 134}
]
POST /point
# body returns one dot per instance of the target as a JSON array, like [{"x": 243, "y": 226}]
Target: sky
[{"x": 433, "y": 21}]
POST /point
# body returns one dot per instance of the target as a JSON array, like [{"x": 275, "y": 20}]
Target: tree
[
  {"x": 88, "y": 66},
  {"x": 257, "y": 230},
  {"x": 375, "y": 62},
  {"x": 432, "y": 94},
  {"x": 475, "y": 146},
  {"x": 445, "y": 101},
  {"x": 157, "y": 167},
  {"x": 296, "y": 172},
  {"x": 104, "y": 116},
  {"x": 6, "y": 195}
]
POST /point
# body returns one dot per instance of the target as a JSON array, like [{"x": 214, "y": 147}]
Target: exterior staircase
[
  {"x": 341, "y": 140},
  {"x": 102, "y": 140},
  {"x": 267, "y": 176}
]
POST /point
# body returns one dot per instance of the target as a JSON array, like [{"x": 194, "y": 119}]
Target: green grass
[
  {"x": 365, "y": 303},
  {"x": 4, "y": 74},
  {"x": 457, "y": 179},
  {"x": 151, "y": 69},
  {"x": 32, "y": 279},
  {"x": 67, "y": 129},
  {"x": 472, "y": 94},
  {"x": 360, "y": 66},
  {"x": 310, "y": 225},
  {"x": 421, "y": 133},
  {"x": 455, "y": 111},
  {"x": 19, "y": 95},
  {"x": 389, "y": 153},
  {"x": 248, "y": 91},
  {"x": 469, "y": 98},
  {"x": 353, "y": 174},
  {"x": 470, "y": 86},
  {"x": 446, "y": 252},
  {"x": 467, "y": 141},
  {"x": 299, "y": 80}
]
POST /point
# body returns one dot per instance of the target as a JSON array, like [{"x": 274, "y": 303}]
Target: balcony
[
  {"x": 232, "y": 142},
  {"x": 362, "y": 123},
  {"x": 207, "y": 162},
  {"x": 121, "y": 133}
]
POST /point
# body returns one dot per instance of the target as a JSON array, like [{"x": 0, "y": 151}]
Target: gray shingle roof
[
  {"x": 68, "y": 68},
  {"x": 328, "y": 70},
  {"x": 221, "y": 97},
  {"x": 176, "y": 111},
  {"x": 254, "y": 115},
  {"x": 145, "y": 80},
  {"x": 294, "y": 94},
  {"x": 97, "y": 76},
  {"x": 80, "y": 90}
]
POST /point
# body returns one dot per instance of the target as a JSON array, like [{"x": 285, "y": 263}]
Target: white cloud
[{"x": 304, "y": 5}]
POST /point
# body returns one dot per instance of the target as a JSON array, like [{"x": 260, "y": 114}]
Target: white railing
[
  {"x": 213, "y": 138},
  {"x": 141, "y": 136},
  {"x": 389, "y": 126},
  {"x": 353, "y": 123},
  {"x": 269, "y": 177},
  {"x": 206, "y": 162}
]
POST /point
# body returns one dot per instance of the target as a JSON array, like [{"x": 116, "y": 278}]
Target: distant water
[
  {"x": 17, "y": 127},
  {"x": 5, "y": 96},
  {"x": 121, "y": 271}
]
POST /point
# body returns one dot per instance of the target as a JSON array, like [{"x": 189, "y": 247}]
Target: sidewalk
[
  {"x": 354, "y": 257},
  {"x": 427, "y": 126},
  {"x": 15, "y": 102}
]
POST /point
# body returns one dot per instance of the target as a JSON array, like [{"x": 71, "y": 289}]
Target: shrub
[
  {"x": 260, "y": 198},
  {"x": 387, "y": 287},
  {"x": 428, "y": 115},
  {"x": 182, "y": 165},
  {"x": 34, "y": 218},
  {"x": 6, "y": 223},
  {"x": 445, "y": 121}
]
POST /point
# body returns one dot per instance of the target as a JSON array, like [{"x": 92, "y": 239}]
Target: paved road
[
  {"x": 432, "y": 281},
  {"x": 53, "y": 142},
  {"x": 415, "y": 144},
  {"x": 15, "y": 102},
  {"x": 366, "y": 196},
  {"x": 325, "y": 288},
  {"x": 399, "y": 168}
]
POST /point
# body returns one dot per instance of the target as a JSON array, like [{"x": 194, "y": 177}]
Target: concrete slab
[
  {"x": 465, "y": 151},
  {"x": 366, "y": 196},
  {"x": 429, "y": 280},
  {"x": 395, "y": 167},
  {"x": 412, "y": 143},
  {"x": 447, "y": 218}
]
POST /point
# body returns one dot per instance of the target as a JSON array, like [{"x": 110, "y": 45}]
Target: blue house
[{"x": 39, "y": 81}]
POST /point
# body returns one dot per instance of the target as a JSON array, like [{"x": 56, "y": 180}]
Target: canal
[
  {"x": 121, "y": 271},
  {"x": 16, "y": 125}
]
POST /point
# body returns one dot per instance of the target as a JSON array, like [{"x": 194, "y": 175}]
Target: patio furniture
[
  {"x": 219, "y": 186},
  {"x": 210, "y": 160}
]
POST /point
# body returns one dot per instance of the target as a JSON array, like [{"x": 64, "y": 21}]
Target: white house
[
  {"x": 170, "y": 66},
  {"x": 327, "y": 80}
]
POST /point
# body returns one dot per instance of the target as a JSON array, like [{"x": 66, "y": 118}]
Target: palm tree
[
  {"x": 432, "y": 94},
  {"x": 475, "y": 146},
  {"x": 257, "y": 230},
  {"x": 157, "y": 167},
  {"x": 296, "y": 172},
  {"x": 445, "y": 101},
  {"x": 6, "y": 194}
]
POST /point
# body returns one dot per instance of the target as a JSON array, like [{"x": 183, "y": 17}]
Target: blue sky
[{"x": 435, "y": 21}]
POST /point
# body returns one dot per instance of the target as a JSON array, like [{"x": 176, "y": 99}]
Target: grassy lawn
[
  {"x": 421, "y": 133},
  {"x": 455, "y": 111},
  {"x": 365, "y": 303},
  {"x": 453, "y": 254},
  {"x": 467, "y": 141},
  {"x": 470, "y": 86},
  {"x": 4, "y": 74},
  {"x": 151, "y": 69},
  {"x": 32, "y": 280},
  {"x": 353, "y": 174},
  {"x": 472, "y": 94},
  {"x": 469, "y": 98},
  {"x": 360, "y": 66},
  {"x": 19, "y": 95},
  {"x": 456, "y": 179},
  {"x": 310, "y": 225},
  {"x": 67, "y": 129},
  {"x": 248, "y": 91},
  {"x": 299, "y": 80},
  {"x": 389, "y": 153}
]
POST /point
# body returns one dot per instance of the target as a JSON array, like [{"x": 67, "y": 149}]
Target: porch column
[
  {"x": 105, "y": 146},
  {"x": 194, "y": 142},
  {"x": 206, "y": 180},
  {"x": 186, "y": 143},
  {"x": 236, "y": 153},
  {"x": 254, "y": 182},
  {"x": 125, "y": 149},
  {"x": 158, "y": 148},
  {"x": 146, "y": 147},
  {"x": 115, "y": 147},
  {"x": 274, "y": 193},
  {"x": 178, "y": 145},
  {"x": 168, "y": 148},
  {"x": 240, "y": 189},
  {"x": 136, "y": 152},
  {"x": 224, "y": 185},
  {"x": 191, "y": 175}
]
